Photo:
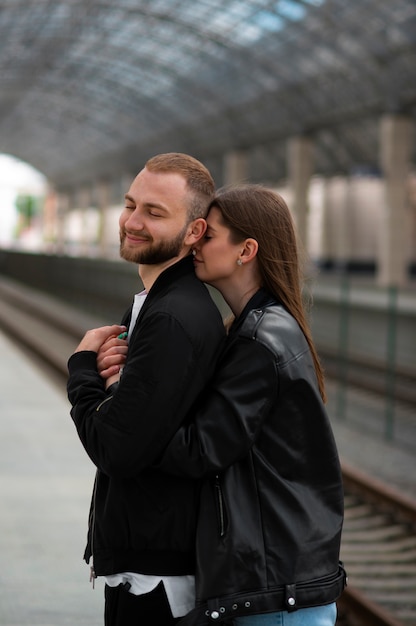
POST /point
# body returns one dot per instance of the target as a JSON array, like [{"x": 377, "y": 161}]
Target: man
[{"x": 142, "y": 523}]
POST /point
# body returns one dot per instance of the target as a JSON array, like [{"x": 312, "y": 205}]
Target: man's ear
[
  {"x": 196, "y": 230},
  {"x": 249, "y": 250}
]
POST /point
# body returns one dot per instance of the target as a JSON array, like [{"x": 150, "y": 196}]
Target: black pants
[{"x": 125, "y": 609}]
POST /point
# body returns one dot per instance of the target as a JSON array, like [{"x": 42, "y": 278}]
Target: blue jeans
[{"x": 317, "y": 616}]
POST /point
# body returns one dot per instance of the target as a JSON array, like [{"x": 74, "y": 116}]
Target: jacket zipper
[
  {"x": 93, "y": 575},
  {"x": 220, "y": 501},
  {"x": 103, "y": 402}
]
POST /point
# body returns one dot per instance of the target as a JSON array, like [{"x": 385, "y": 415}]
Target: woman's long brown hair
[{"x": 257, "y": 212}]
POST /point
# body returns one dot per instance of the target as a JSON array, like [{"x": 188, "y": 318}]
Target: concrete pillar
[
  {"x": 63, "y": 203},
  {"x": 235, "y": 167},
  {"x": 394, "y": 253},
  {"x": 102, "y": 195},
  {"x": 124, "y": 184},
  {"x": 49, "y": 219},
  {"x": 300, "y": 169},
  {"x": 338, "y": 235},
  {"x": 326, "y": 255},
  {"x": 113, "y": 191},
  {"x": 83, "y": 204},
  {"x": 412, "y": 205}
]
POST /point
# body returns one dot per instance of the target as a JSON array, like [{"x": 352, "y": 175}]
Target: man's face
[{"x": 153, "y": 223}]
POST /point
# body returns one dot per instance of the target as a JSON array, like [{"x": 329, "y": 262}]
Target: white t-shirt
[
  {"x": 139, "y": 299},
  {"x": 180, "y": 590}
]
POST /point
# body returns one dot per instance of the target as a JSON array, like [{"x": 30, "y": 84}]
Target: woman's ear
[
  {"x": 250, "y": 250},
  {"x": 196, "y": 230}
]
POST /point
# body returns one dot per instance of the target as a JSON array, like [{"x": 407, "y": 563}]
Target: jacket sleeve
[
  {"x": 230, "y": 419},
  {"x": 124, "y": 430}
]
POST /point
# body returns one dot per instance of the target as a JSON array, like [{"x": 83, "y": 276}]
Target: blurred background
[{"x": 313, "y": 98}]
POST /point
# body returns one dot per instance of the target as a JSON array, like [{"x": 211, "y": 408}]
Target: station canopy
[{"x": 89, "y": 88}]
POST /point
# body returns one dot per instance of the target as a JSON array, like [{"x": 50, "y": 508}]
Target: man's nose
[{"x": 135, "y": 220}]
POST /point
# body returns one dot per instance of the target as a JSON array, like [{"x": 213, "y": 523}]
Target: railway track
[
  {"x": 49, "y": 329},
  {"x": 379, "y": 539},
  {"x": 370, "y": 376},
  {"x": 379, "y": 552}
]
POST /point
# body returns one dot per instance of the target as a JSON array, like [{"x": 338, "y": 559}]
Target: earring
[
  {"x": 239, "y": 262},
  {"x": 193, "y": 252}
]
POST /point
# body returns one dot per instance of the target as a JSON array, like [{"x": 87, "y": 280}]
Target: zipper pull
[{"x": 92, "y": 576}]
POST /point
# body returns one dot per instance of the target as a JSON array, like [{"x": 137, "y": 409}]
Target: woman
[{"x": 271, "y": 503}]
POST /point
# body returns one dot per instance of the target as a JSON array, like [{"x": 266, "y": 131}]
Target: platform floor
[
  {"x": 46, "y": 481},
  {"x": 45, "y": 486}
]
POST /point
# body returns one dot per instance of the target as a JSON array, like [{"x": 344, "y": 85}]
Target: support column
[
  {"x": 114, "y": 192},
  {"x": 412, "y": 206},
  {"x": 300, "y": 169},
  {"x": 62, "y": 209},
  {"x": 337, "y": 234},
  {"x": 50, "y": 220},
  {"x": 326, "y": 254},
  {"x": 83, "y": 205},
  {"x": 125, "y": 182},
  {"x": 102, "y": 193},
  {"x": 394, "y": 253},
  {"x": 236, "y": 167}
]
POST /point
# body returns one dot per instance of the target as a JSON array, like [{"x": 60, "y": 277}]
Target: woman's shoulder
[{"x": 276, "y": 328}]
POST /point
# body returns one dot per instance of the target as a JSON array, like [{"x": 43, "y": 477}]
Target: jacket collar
[
  {"x": 260, "y": 300},
  {"x": 172, "y": 273},
  {"x": 169, "y": 276}
]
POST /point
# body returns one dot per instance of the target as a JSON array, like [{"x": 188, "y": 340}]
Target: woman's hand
[
  {"x": 111, "y": 358},
  {"x": 94, "y": 339},
  {"x": 110, "y": 343}
]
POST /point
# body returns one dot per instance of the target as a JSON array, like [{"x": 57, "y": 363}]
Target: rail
[{"x": 379, "y": 550}]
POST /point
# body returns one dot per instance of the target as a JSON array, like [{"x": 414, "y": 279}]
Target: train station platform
[
  {"x": 46, "y": 481},
  {"x": 45, "y": 486}
]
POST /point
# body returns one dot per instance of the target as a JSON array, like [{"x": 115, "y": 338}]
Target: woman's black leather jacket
[{"x": 271, "y": 506}]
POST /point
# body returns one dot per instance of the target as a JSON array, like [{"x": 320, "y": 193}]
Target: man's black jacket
[{"x": 142, "y": 520}]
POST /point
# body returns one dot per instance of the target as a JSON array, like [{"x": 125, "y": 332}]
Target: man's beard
[{"x": 154, "y": 254}]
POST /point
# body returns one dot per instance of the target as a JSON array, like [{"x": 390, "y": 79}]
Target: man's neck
[{"x": 150, "y": 273}]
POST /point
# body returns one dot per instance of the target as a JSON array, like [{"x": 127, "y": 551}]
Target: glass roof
[{"x": 94, "y": 88}]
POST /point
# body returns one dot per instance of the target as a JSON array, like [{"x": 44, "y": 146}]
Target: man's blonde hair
[{"x": 198, "y": 179}]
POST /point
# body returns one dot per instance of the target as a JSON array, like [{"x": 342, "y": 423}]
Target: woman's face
[{"x": 216, "y": 256}]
